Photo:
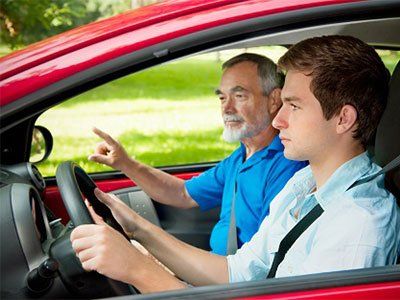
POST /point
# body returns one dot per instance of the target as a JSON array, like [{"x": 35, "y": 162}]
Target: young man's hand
[
  {"x": 101, "y": 248},
  {"x": 109, "y": 152},
  {"x": 124, "y": 215}
]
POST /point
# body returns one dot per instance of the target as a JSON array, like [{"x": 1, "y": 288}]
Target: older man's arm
[{"x": 160, "y": 186}]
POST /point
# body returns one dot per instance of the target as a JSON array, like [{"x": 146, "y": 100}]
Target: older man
[{"x": 249, "y": 178}]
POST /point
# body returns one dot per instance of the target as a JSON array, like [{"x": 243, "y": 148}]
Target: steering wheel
[
  {"x": 73, "y": 182},
  {"x": 75, "y": 185}
]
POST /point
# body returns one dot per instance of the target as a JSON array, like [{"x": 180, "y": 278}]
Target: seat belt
[
  {"x": 292, "y": 236},
  {"x": 304, "y": 223},
  {"x": 232, "y": 244},
  {"x": 390, "y": 166}
]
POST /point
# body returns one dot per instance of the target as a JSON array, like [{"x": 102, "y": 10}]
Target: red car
[{"x": 37, "y": 260}]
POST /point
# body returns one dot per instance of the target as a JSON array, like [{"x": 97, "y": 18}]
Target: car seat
[{"x": 387, "y": 140}]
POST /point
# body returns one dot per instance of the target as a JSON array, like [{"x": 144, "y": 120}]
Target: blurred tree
[
  {"x": 139, "y": 3},
  {"x": 110, "y": 8},
  {"x": 23, "y": 22},
  {"x": 26, "y": 21}
]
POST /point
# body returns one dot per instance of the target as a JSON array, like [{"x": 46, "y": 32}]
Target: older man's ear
[{"x": 274, "y": 102}]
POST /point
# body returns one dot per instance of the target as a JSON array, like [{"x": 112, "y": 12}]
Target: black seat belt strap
[{"x": 292, "y": 236}]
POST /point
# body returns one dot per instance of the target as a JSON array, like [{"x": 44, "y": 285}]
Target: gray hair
[{"x": 270, "y": 76}]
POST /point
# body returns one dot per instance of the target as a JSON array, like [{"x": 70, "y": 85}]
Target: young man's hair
[
  {"x": 344, "y": 70},
  {"x": 268, "y": 72}
]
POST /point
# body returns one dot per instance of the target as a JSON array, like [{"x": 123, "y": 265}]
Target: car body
[{"x": 49, "y": 72}]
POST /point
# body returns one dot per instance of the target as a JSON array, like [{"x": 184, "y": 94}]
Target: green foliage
[
  {"x": 390, "y": 58},
  {"x": 26, "y": 21}
]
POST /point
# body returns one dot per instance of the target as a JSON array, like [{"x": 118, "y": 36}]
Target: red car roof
[{"x": 58, "y": 57}]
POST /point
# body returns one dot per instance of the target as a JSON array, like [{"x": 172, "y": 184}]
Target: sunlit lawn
[
  {"x": 167, "y": 115},
  {"x": 164, "y": 116},
  {"x": 172, "y": 132}
]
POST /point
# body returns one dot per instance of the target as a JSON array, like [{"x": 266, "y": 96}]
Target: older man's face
[{"x": 244, "y": 107}]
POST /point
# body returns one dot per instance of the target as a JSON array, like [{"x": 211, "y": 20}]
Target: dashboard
[
  {"x": 37, "y": 259},
  {"x": 26, "y": 232}
]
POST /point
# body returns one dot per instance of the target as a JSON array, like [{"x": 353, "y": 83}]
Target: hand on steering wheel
[{"x": 75, "y": 185}]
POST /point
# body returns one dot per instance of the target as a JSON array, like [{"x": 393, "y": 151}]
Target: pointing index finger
[{"x": 105, "y": 136}]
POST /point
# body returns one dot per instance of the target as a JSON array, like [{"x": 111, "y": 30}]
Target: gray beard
[{"x": 234, "y": 135}]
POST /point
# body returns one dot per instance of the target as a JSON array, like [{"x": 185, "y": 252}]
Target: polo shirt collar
[{"x": 275, "y": 146}]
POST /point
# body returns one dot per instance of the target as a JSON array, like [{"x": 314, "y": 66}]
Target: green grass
[
  {"x": 156, "y": 149},
  {"x": 157, "y": 132},
  {"x": 192, "y": 79},
  {"x": 166, "y": 115},
  {"x": 163, "y": 116}
]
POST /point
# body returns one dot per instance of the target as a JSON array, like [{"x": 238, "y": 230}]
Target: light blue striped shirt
[{"x": 359, "y": 227}]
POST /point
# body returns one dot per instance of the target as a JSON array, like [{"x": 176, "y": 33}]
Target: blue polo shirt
[{"x": 259, "y": 179}]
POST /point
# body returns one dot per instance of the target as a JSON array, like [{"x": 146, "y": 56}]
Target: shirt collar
[
  {"x": 343, "y": 178},
  {"x": 336, "y": 185},
  {"x": 261, "y": 154},
  {"x": 275, "y": 145}
]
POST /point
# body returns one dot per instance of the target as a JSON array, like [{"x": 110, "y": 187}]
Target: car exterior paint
[
  {"x": 366, "y": 292},
  {"x": 59, "y": 57}
]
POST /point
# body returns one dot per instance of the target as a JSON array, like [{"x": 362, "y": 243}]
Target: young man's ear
[
  {"x": 347, "y": 119},
  {"x": 274, "y": 101}
]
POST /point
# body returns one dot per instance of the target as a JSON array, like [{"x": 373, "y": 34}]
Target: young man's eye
[{"x": 294, "y": 107}]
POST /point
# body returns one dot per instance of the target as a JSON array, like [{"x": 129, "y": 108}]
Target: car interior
[{"x": 37, "y": 260}]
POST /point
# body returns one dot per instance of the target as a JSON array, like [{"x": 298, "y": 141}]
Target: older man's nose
[{"x": 228, "y": 106}]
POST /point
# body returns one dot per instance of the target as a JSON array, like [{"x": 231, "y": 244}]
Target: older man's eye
[{"x": 240, "y": 96}]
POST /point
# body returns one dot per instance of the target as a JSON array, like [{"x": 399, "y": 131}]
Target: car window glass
[
  {"x": 164, "y": 116},
  {"x": 390, "y": 58}
]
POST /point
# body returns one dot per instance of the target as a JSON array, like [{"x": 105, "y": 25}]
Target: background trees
[{"x": 24, "y": 22}]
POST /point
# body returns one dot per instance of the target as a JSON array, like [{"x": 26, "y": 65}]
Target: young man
[
  {"x": 249, "y": 92},
  {"x": 334, "y": 95}
]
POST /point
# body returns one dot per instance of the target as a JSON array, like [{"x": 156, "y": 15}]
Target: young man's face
[
  {"x": 304, "y": 131},
  {"x": 244, "y": 108}
]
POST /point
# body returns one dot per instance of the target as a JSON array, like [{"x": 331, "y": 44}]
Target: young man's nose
[{"x": 280, "y": 120}]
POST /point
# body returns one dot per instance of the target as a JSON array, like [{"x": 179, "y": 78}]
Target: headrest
[{"x": 387, "y": 141}]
